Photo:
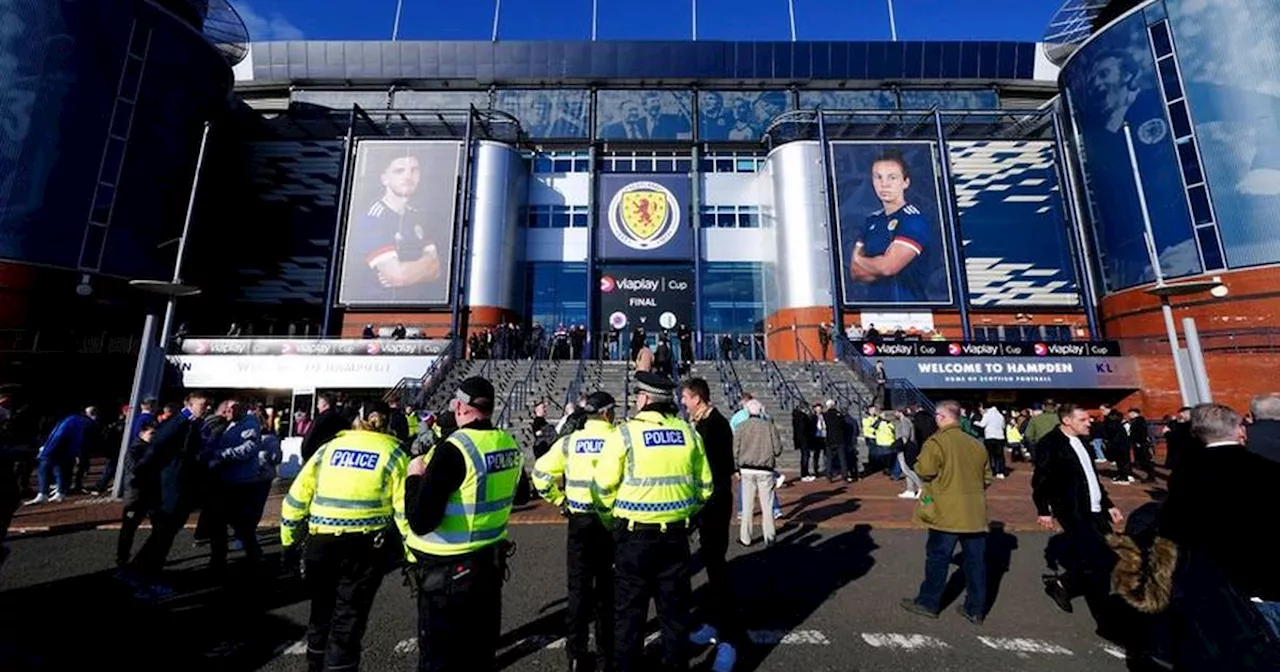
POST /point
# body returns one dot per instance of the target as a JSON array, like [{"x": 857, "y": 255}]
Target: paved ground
[{"x": 821, "y": 599}]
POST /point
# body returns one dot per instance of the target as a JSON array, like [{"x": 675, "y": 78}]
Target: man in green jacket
[
  {"x": 956, "y": 473},
  {"x": 1041, "y": 423}
]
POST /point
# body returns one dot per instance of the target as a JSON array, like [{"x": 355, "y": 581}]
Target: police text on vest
[
  {"x": 356, "y": 459},
  {"x": 654, "y": 438}
]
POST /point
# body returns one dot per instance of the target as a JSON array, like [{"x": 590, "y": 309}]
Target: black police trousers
[
  {"x": 343, "y": 573},
  {"x": 589, "y": 550},
  {"x": 650, "y": 563},
  {"x": 460, "y": 610}
]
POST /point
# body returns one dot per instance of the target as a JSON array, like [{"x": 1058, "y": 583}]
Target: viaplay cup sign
[
  {"x": 654, "y": 299},
  {"x": 932, "y": 365},
  {"x": 645, "y": 217}
]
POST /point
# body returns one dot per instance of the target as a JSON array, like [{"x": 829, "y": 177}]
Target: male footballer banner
[
  {"x": 400, "y": 224},
  {"x": 892, "y": 247}
]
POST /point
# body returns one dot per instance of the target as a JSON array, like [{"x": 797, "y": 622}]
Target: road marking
[
  {"x": 297, "y": 648},
  {"x": 785, "y": 637},
  {"x": 407, "y": 646},
  {"x": 1024, "y": 645},
  {"x": 1115, "y": 651},
  {"x": 893, "y": 640}
]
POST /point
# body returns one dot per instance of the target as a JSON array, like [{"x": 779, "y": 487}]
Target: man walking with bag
[{"x": 956, "y": 472}]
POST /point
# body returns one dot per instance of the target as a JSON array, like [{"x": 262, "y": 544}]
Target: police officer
[
  {"x": 344, "y": 497},
  {"x": 571, "y": 461},
  {"x": 457, "y": 501},
  {"x": 654, "y": 474}
]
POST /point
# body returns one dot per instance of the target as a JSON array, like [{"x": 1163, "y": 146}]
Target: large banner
[
  {"x": 655, "y": 298},
  {"x": 1228, "y": 56},
  {"x": 892, "y": 247},
  {"x": 1015, "y": 373},
  {"x": 1112, "y": 81},
  {"x": 644, "y": 217},
  {"x": 400, "y": 224},
  {"x": 1012, "y": 226}
]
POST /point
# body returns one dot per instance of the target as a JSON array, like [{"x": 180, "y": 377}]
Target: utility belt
[
  {"x": 434, "y": 574},
  {"x": 623, "y": 526}
]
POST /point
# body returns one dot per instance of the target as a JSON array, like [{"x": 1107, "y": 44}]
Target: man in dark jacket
[
  {"x": 1178, "y": 440},
  {"x": 1115, "y": 440},
  {"x": 177, "y": 443},
  {"x": 924, "y": 424},
  {"x": 713, "y": 521},
  {"x": 836, "y": 439},
  {"x": 329, "y": 421},
  {"x": 1212, "y": 520},
  {"x": 803, "y": 428},
  {"x": 1140, "y": 439},
  {"x": 1066, "y": 489},
  {"x": 1264, "y": 433}
]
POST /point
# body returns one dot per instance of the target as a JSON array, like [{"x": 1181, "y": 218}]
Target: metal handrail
[
  {"x": 574, "y": 390},
  {"x": 434, "y": 375},
  {"x": 901, "y": 390},
  {"x": 844, "y": 393},
  {"x": 786, "y": 390},
  {"x": 519, "y": 393},
  {"x": 731, "y": 384}
]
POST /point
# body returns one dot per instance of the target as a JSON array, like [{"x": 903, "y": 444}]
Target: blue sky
[{"x": 1022, "y": 20}]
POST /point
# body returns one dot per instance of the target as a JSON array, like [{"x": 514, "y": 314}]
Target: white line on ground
[
  {"x": 1024, "y": 645},
  {"x": 1115, "y": 651},
  {"x": 784, "y": 637},
  {"x": 893, "y": 640},
  {"x": 297, "y": 648},
  {"x": 407, "y": 646}
]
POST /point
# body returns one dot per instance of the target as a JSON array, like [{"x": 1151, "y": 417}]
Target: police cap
[
  {"x": 598, "y": 402},
  {"x": 476, "y": 392},
  {"x": 654, "y": 385}
]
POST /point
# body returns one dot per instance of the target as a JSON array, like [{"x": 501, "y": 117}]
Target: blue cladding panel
[{"x": 649, "y": 59}]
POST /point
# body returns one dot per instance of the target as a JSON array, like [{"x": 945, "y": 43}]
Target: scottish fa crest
[{"x": 644, "y": 215}]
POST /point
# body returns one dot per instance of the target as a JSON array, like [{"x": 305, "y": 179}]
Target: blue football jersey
[
  {"x": 908, "y": 227},
  {"x": 382, "y": 233}
]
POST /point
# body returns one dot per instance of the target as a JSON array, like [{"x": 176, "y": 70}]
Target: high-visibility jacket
[
  {"x": 869, "y": 427},
  {"x": 349, "y": 485},
  {"x": 572, "y": 459},
  {"x": 884, "y": 434},
  {"x": 654, "y": 469},
  {"x": 414, "y": 424},
  {"x": 477, "y": 512},
  {"x": 1011, "y": 433}
]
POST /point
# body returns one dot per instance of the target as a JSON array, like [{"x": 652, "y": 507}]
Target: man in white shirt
[
  {"x": 1067, "y": 492},
  {"x": 992, "y": 424}
]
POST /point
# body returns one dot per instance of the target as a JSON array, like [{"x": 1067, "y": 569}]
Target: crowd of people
[{"x": 1185, "y": 579}]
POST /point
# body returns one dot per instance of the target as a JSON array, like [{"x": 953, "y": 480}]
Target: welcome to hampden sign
[{"x": 962, "y": 365}]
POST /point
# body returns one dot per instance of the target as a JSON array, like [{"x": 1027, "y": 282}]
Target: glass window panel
[
  {"x": 684, "y": 165},
  {"x": 582, "y": 165},
  {"x": 559, "y": 217},
  {"x": 724, "y": 165},
  {"x": 543, "y": 163},
  {"x": 557, "y": 293},
  {"x": 579, "y": 220},
  {"x": 726, "y": 220},
  {"x": 644, "y": 115},
  {"x": 707, "y": 166},
  {"x": 1156, "y": 12},
  {"x": 1169, "y": 77},
  {"x": 1210, "y": 249},
  {"x": 749, "y": 220},
  {"x": 969, "y": 99},
  {"x": 563, "y": 165},
  {"x": 738, "y": 115},
  {"x": 1190, "y": 162},
  {"x": 547, "y": 113},
  {"x": 1179, "y": 119},
  {"x": 708, "y": 220},
  {"x": 342, "y": 100},
  {"x": 848, "y": 100},
  {"x": 1201, "y": 212},
  {"x": 1160, "y": 39},
  {"x": 438, "y": 100}
]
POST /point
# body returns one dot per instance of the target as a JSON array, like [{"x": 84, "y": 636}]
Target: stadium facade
[{"x": 450, "y": 186}]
